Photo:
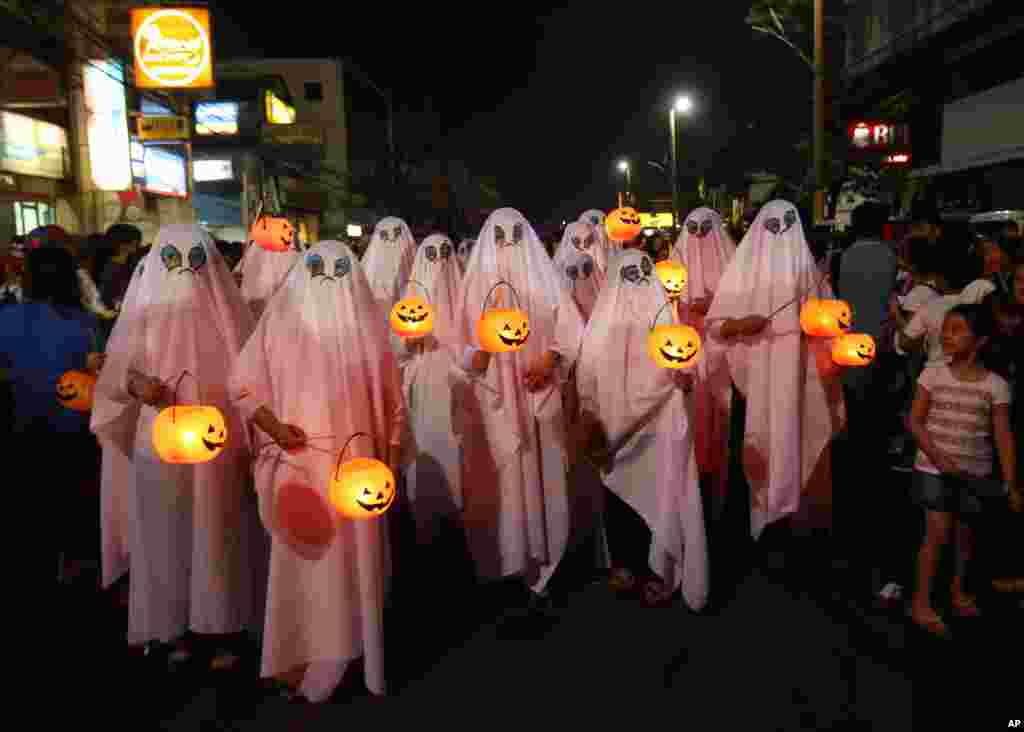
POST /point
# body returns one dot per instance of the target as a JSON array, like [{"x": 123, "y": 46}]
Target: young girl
[{"x": 960, "y": 409}]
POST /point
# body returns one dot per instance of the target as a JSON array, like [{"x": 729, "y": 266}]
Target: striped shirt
[{"x": 959, "y": 419}]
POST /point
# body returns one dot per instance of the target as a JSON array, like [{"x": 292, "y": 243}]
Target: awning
[{"x": 982, "y": 161}]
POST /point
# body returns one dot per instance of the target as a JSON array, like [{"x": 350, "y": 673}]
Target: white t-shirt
[
  {"x": 918, "y": 297},
  {"x": 927, "y": 321},
  {"x": 960, "y": 419}
]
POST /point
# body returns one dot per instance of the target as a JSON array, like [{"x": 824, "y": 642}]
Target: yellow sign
[
  {"x": 163, "y": 128},
  {"x": 279, "y": 112},
  {"x": 656, "y": 221},
  {"x": 172, "y": 48}
]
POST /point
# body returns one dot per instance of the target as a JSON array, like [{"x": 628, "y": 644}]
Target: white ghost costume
[
  {"x": 434, "y": 476},
  {"x": 117, "y": 475},
  {"x": 705, "y": 249},
  {"x": 577, "y": 266},
  {"x": 654, "y": 469},
  {"x": 794, "y": 398},
  {"x": 197, "y": 552},
  {"x": 604, "y": 249},
  {"x": 517, "y": 515},
  {"x": 320, "y": 359},
  {"x": 387, "y": 262},
  {"x": 263, "y": 271}
]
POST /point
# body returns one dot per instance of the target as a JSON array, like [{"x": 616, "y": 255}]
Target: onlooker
[{"x": 125, "y": 241}]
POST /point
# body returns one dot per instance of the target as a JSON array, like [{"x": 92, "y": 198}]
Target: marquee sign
[
  {"x": 172, "y": 48},
  {"x": 878, "y": 137}
]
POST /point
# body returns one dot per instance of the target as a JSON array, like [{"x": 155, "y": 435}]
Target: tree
[{"x": 790, "y": 21}]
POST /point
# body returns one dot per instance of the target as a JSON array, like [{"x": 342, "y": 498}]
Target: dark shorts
[{"x": 944, "y": 494}]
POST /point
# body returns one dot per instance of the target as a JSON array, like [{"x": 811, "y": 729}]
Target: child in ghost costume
[
  {"x": 434, "y": 477},
  {"x": 577, "y": 263},
  {"x": 517, "y": 515},
  {"x": 317, "y": 370},
  {"x": 262, "y": 272},
  {"x": 197, "y": 553},
  {"x": 388, "y": 260},
  {"x": 642, "y": 410},
  {"x": 603, "y": 248},
  {"x": 705, "y": 249},
  {"x": 794, "y": 401}
]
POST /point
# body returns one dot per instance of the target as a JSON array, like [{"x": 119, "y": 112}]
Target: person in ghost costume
[
  {"x": 793, "y": 398},
  {"x": 604, "y": 248},
  {"x": 388, "y": 260},
  {"x": 579, "y": 271},
  {"x": 642, "y": 410},
  {"x": 197, "y": 553},
  {"x": 705, "y": 249},
  {"x": 434, "y": 477},
  {"x": 463, "y": 252},
  {"x": 517, "y": 514},
  {"x": 317, "y": 370},
  {"x": 262, "y": 272}
]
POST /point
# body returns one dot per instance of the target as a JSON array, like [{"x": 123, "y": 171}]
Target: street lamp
[
  {"x": 624, "y": 168},
  {"x": 683, "y": 105}
]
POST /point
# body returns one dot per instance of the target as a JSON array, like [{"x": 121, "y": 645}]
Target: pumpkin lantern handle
[
  {"x": 805, "y": 293},
  {"x": 491, "y": 291},
  {"x": 657, "y": 314},
  {"x": 417, "y": 282},
  {"x": 337, "y": 465},
  {"x": 175, "y": 394}
]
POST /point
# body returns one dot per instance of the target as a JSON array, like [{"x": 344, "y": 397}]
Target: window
[
  {"x": 314, "y": 91},
  {"x": 29, "y": 215}
]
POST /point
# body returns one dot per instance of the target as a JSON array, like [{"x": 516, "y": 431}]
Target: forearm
[
  {"x": 924, "y": 442},
  {"x": 731, "y": 328},
  {"x": 1007, "y": 455}
]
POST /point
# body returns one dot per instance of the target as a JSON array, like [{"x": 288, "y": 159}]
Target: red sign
[
  {"x": 878, "y": 136},
  {"x": 898, "y": 159}
]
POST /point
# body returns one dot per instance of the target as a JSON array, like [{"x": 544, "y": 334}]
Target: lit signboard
[
  {"x": 898, "y": 159},
  {"x": 656, "y": 221},
  {"x": 165, "y": 172},
  {"x": 163, "y": 128},
  {"x": 31, "y": 147},
  {"x": 279, "y": 112},
  {"x": 878, "y": 136},
  {"x": 172, "y": 48},
  {"x": 205, "y": 171},
  {"x": 217, "y": 118},
  {"x": 107, "y": 125}
]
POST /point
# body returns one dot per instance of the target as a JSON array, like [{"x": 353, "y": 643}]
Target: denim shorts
[{"x": 944, "y": 494}]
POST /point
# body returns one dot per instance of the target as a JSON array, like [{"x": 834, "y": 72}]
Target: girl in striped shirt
[{"x": 960, "y": 418}]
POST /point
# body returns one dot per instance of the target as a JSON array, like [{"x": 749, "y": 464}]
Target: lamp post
[
  {"x": 683, "y": 105},
  {"x": 624, "y": 168}
]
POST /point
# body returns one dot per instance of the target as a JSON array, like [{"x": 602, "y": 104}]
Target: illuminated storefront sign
[
  {"x": 878, "y": 136},
  {"x": 656, "y": 221},
  {"x": 279, "y": 112},
  {"x": 165, "y": 172},
  {"x": 107, "y": 125},
  {"x": 206, "y": 171},
  {"x": 31, "y": 147},
  {"x": 172, "y": 48},
  {"x": 217, "y": 118}
]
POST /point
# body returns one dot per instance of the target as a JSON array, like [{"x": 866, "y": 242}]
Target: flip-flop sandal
[{"x": 934, "y": 626}]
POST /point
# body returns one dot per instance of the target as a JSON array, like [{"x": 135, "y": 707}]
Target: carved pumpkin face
[
  {"x": 503, "y": 330},
  {"x": 273, "y": 233},
  {"x": 674, "y": 346},
  {"x": 673, "y": 277},
  {"x": 362, "y": 488},
  {"x": 75, "y": 390},
  {"x": 412, "y": 317},
  {"x": 623, "y": 224},
  {"x": 189, "y": 434},
  {"x": 826, "y": 318},
  {"x": 853, "y": 349}
]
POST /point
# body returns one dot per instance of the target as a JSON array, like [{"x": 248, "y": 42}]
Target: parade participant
[{"x": 388, "y": 260}]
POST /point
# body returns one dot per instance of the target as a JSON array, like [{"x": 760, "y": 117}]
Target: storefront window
[{"x": 29, "y": 215}]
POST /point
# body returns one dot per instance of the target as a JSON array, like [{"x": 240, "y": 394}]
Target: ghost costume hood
[
  {"x": 263, "y": 271},
  {"x": 578, "y": 269},
  {"x": 705, "y": 248},
  {"x": 388, "y": 259}
]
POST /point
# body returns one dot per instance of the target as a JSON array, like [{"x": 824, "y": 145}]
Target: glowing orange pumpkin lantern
[
  {"x": 412, "y": 317},
  {"x": 362, "y": 488},
  {"x": 673, "y": 345},
  {"x": 75, "y": 390},
  {"x": 622, "y": 224},
  {"x": 503, "y": 330},
  {"x": 189, "y": 434},
  {"x": 826, "y": 318},
  {"x": 273, "y": 233},
  {"x": 853, "y": 349},
  {"x": 673, "y": 276}
]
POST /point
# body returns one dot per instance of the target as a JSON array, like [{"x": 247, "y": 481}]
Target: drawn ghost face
[
  {"x": 508, "y": 239},
  {"x": 339, "y": 268},
  {"x": 781, "y": 227},
  {"x": 700, "y": 229},
  {"x": 175, "y": 262}
]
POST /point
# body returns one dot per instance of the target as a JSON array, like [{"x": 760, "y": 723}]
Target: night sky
[{"x": 547, "y": 101}]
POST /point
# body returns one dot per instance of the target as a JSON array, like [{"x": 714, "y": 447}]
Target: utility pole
[{"x": 819, "y": 111}]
